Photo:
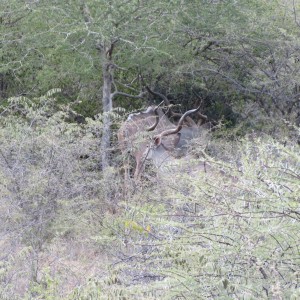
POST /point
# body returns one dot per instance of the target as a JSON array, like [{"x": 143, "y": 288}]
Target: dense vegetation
[{"x": 69, "y": 73}]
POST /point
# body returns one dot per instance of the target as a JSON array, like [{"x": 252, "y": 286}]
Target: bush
[
  {"x": 51, "y": 189},
  {"x": 230, "y": 233}
]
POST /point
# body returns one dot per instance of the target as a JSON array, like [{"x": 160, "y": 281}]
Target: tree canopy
[{"x": 228, "y": 52}]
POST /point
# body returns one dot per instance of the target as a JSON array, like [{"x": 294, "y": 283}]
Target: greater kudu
[{"x": 168, "y": 141}]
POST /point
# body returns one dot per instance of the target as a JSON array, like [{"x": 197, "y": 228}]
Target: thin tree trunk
[
  {"x": 107, "y": 97},
  {"x": 106, "y": 58},
  {"x": 107, "y": 107}
]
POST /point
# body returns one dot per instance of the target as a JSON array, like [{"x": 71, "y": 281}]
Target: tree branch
[
  {"x": 110, "y": 49},
  {"x": 166, "y": 100},
  {"x": 86, "y": 13},
  {"x": 139, "y": 96},
  {"x": 295, "y": 14},
  {"x": 190, "y": 121}
]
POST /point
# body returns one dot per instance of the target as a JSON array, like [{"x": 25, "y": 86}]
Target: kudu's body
[
  {"x": 166, "y": 142},
  {"x": 132, "y": 135}
]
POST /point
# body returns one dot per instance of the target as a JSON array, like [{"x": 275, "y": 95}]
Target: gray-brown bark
[{"x": 107, "y": 70}]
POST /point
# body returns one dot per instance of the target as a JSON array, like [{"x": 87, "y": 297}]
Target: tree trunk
[
  {"x": 107, "y": 107},
  {"x": 107, "y": 69},
  {"x": 107, "y": 97}
]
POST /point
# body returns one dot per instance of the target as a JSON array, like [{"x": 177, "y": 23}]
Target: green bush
[
  {"x": 232, "y": 233},
  {"x": 50, "y": 190}
]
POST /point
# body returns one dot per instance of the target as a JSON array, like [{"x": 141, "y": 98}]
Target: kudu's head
[{"x": 171, "y": 143}]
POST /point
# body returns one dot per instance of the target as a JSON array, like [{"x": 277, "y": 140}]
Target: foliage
[
  {"x": 237, "y": 56},
  {"x": 214, "y": 235},
  {"x": 50, "y": 186}
]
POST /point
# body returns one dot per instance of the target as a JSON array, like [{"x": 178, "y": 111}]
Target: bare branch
[
  {"x": 188, "y": 119},
  {"x": 110, "y": 49},
  {"x": 139, "y": 96},
  {"x": 295, "y": 14},
  {"x": 86, "y": 13},
  {"x": 166, "y": 100}
]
